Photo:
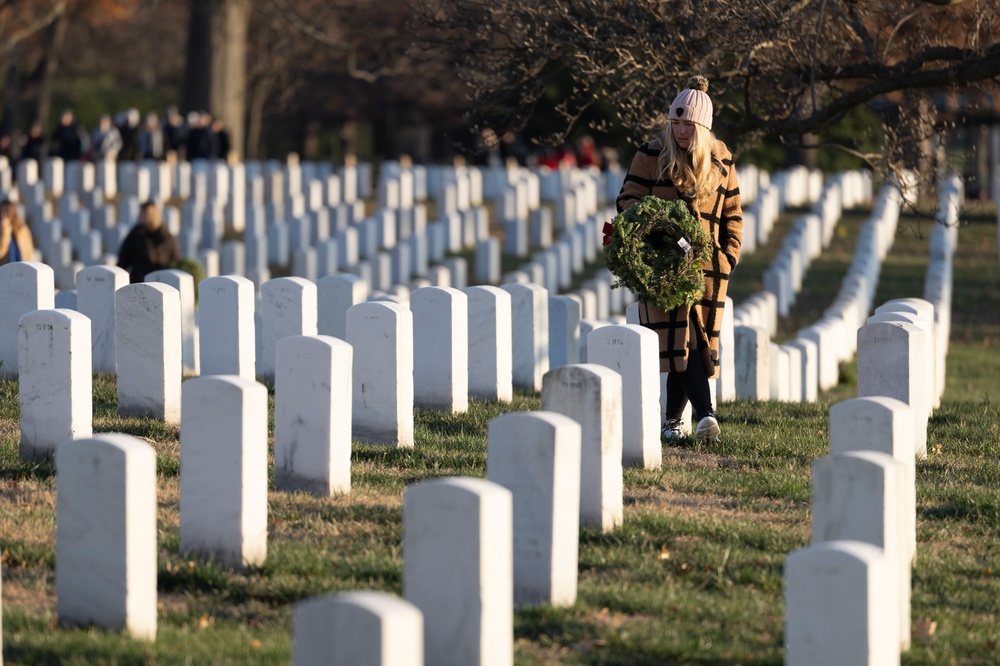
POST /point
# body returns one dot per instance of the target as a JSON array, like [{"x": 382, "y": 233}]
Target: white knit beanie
[{"x": 693, "y": 103}]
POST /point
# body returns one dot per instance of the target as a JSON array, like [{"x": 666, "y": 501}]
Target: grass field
[{"x": 693, "y": 576}]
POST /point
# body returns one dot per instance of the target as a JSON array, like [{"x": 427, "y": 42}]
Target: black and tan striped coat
[{"x": 722, "y": 217}]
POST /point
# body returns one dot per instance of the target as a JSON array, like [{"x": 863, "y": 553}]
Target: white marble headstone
[
  {"x": 288, "y": 307},
  {"x": 891, "y": 363},
  {"x": 536, "y": 455},
  {"x": 858, "y": 495},
  {"x": 183, "y": 282},
  {"x": 223, "y": 504},
  {"x": 490, "y": 362},
  {"x": 753, "y": 363},
  {"x": 381, "y": 334},
  {"x": 95, "y": 292},
  {"x": 839, "y": 608},
  {"x": 106, "y": 534},
  {"x": 227, "y": 336},
  {"x": 591, "y": 395},
  {"x": 458, "y": 569},
  {"x": 441, "y": 334},
  {"x": 24, "y": 286},
  {"x": 530, "y": 334},
  {"x": 312, "y": 415},
  {"x": 884, "y": 425},
  {"x": 148, "y": 351},
  {"x": 336, "y": 294},
  {"x": 564, "y": 331},
  {"x": 54, "y": 380},
  {"x": 633, "y": 351},
  {"x": 357, "y": 629}
]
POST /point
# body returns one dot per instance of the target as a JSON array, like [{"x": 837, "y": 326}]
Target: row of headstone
[
  {"x": 106, "y": 554},
  {"x": 847, "y": 595},
  {"x": 938, "y": 278},
  {"x": 474, "y": 550},
  {"x": 203, "y": 180},
  {"x": 798, "y": 370}
]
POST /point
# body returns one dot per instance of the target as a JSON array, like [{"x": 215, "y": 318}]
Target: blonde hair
[{"x": 689, "y": 169}]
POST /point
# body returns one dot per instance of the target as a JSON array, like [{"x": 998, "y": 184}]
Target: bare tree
[
  {"x": 41, "y": 26},
  {"x": 783, "y": 69}
]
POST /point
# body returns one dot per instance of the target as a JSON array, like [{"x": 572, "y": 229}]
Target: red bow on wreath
[{"x": 607, "y": 232}]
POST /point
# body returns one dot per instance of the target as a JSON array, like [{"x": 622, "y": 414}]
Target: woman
[
  {"x": 15, "y": 237},
  {"x": 687, "y": 162},
  {"x": 149, "y": 246}
]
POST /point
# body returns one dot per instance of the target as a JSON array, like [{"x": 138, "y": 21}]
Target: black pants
[{"x": 692, "y": 384}]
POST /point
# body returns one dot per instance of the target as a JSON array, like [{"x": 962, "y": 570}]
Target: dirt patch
[
  {"x": 696, "y": 459},
  {"x": 35, "y": 595}
]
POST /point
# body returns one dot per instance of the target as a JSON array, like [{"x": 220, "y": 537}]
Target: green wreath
[{"x": 657, "y": 249}]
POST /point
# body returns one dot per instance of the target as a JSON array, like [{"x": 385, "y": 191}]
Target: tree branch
[
  {"x": 58, "y": 9},
  {"x": 891, "y": 81}
]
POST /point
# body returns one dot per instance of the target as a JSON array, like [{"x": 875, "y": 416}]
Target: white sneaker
[
  {"x": 708, "y": 430},
  {"x": 671, "y": 431}
]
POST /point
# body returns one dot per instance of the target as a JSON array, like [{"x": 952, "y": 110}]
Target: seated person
[
  {"x": 15, "y": 237},
  {"x": 149, "y": 246}
]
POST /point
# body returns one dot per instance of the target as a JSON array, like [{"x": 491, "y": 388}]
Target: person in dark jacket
[
  {"x": 149, "y": 246},
  {"x": 199, "y": 144},
  {"x": 220, "y": 140},
  {"x": 34, "y": 144},
  {"x": 67, "y": 140}
]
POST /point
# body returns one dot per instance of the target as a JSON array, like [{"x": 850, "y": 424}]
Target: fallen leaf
[
  {"x": 605, "y": 611},
  {"x": 255, "y": 644},
  {"x": 923, "y": 629}
]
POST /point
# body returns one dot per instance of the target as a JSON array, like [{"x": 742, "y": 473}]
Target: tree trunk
[
  {"x": 53, "y": 42},
  {"x": 230, "y": 26},
  {"x": 10, "y": 121},
  {"x": 259, "y": 96},
  {"x": 215, "y": 71},
  {"x": 197, "y": 67}
]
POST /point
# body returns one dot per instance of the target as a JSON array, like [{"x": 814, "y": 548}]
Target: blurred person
[
  {"x": 15, "y": 237},
  {"x": 221, "y": 144},
  {"x": 105, "y": 140},
  {"x": 199, "y": 144},
  {"x": 34, "y": 144},
  {"x": 128, "y": 126},
  {"x": 68, "y": 140},
  {"x": 512, "y": 146},
  {"x": 586, "y": 152},
  {"x": 149, "y": 246},
  {"x": 151, "y": 140},
  {"x": 566, "y": 156},
  {"x": 8, "y": 148},
  {"x": 175, "y": 132}
]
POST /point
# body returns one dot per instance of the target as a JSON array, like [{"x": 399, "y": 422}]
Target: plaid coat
[{"x": 722, "y": 217}]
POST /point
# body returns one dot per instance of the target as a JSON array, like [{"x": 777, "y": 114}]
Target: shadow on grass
[
  {"x": 977, "y": 510},
  {"x": 12, "y": 468}
]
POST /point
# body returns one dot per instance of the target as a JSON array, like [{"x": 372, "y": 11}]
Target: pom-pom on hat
[{"x": 693, "y": 103}]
